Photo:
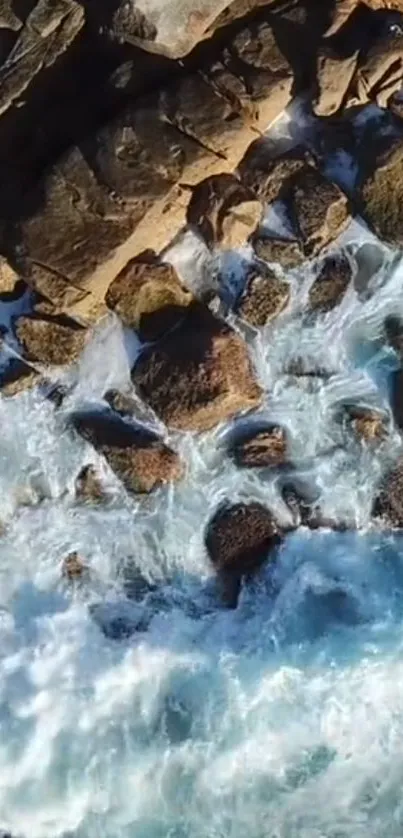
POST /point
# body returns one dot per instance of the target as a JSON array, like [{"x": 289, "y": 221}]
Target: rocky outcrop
[
  {"x": 50, "y": 341},
  {"x": 239, "y": 538},
  {"x": 262, "y": 448},
  {"x": 329, "y": 287},
  {"x": 149, "y": 298},
  {"x": 223, "y": 211},
  {"x": 265, "y": 296},
  {"x": 389, "y": 501},
  {"x": 139, "y": 458},
  {"x": 197, "y": 376},
  {"x": 382, "y": 194}
]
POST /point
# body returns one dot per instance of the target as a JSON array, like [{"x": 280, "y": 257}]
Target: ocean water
[{"x": 281, "y": 719}]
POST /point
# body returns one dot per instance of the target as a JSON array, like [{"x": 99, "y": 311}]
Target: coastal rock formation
[
  {"x": 284, "y": 252},
  {"x": 197, "y": 376},
  {"x": 382, "y": 194},
  {"x": 223, "y": 211},
  {"x": 149, "y": 298},
  {"x": 16, "y": 377},
  {"x": 139, "y": 458},
  {"x": 331, "y": 284},
  {"x": 262, "y": 448},
  {"x": 389, "y": 502},
  {"x": 239, "y": 538},
  {"x": 265, "y": 296},
  {"x": 50, "y": 341}
]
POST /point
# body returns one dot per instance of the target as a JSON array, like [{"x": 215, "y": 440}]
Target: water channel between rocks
[{"x": 280, "y": 719}]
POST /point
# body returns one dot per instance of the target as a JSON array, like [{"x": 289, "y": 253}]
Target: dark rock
[
  {"x": 224, "y": 211},
  {"x": 74, "y": 568},
  {"x": 239, "y": 537},
  {"x": 329, "y": 287},
  {"x": 368, "y": 425},
  {"x": 138, "y": 457},
  {"x": 50, "y": 341},
  {"x": 394, "y": 333},
  {"x": 382, "y": 195},
  {"x": 287, "y": 253},
  {"x": 396, "y": 397},
  {"x": 88, "y": 486},
  {"x": 388, "y": 504},
  {"x": 116, "y": 620},
  {"x": 264, "y": 448},
  {"x": 198, "y": 375},
  {"x": 148, "y": 298},
  {"x": 265, "y": 297}
]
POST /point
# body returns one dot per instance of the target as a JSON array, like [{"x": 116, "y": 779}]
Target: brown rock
[
  {"x": 88, "y": 486},
  {"x": 380, "y": 72},
  {"x": 197, "y": 376},
  {"x": 138, "y": 457},
  {"x": 382, "y": 195},
  {"x": 74, "y": 568},
  {"x": 122, "y": 403},
  {"x": 329, "y": 287},
  {"x": 319, "y": 207},
  {"x": 224, "y": 211},
  {"x": 266, "y": 448},
  {"x": 17, "y": 377},
  {"x": 148, "y": 298},
  {"x": 267, "y": 173},
  {"x": 57, "y": 292},
  {"x": 389, "y": 501},
  {"x": 368, "y": 425},
  {"x": 8, "y": 277},
  {"x": 286, "y": 253},
  {"x": 238, "y": 539},
  {"x": 264, "y": 298},
  {"x": 334, "y": 76},
  {"x": 50, "y": 341}
]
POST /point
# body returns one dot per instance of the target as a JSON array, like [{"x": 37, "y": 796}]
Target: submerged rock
[
  {"x": 88, "y": 486},
  {"x": 74, "y": 568},
  {"x": 238, "y": 539},
  {"x": 197, "y": 376},
  {"x": 149, "y": 298},
  {"x": 329, "y": 287},
  {"x": 139, "y": 458},
  {"x": 264, "y": 448},
  {"x": 368, "y": 424},
  {"x": 265, "y": 297},
  {"x": 50, "y": 341},
  {"x": 388, "y": 504},
  {"x": 224, "y": 211}
]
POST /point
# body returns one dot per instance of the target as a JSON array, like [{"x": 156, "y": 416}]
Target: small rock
[
  {"x": 148, "y": 298},
  {"x": 286, "y": 253},
  {"x": 368, "y": 425},
  {"x": 74, "y": 568},
  {"x": 329, "y": 287},
  {"x": 197, "y": 376},
  {"x": 319, "y": 208},
  {"x": 17, "y": 377},
  {"x": 138, "y": 457},
  {"x": 265, "y": 297},
  {"x": 394, "y": 333},
  {"x": 265, "y": 448},
  {"x": 88, "y": 486},
  {"x": 121, "y": 403},
  {"x": 389, "y": 501},
  {"x": 50, "y": 341},
  {"x": 238, "y": 540},
  {"x": 9, "y": 279},
  {"x": 224, "y": 211},
  {"x": 267, "y": 173}
]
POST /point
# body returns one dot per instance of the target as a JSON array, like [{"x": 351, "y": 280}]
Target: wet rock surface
[
  {"x": 139, "y": 458},
  {"x": 388, "y": 505},
  {"x": 50, "y": 341},
  {"x": 148, "y": 298},
  {"x": 197, "y": 376},
  {"x": 331, "y": 284},
  {"x": 265, "y": 297},
  {"x": 260, "y": 448},
  {"x": 74, "y": 568},
  {"x": 286, "y": 253},
  {"x": 224, "y": 211},
  {"x": 88, "y": 486}
]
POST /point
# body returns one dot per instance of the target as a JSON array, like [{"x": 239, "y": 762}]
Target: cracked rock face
[{"x": 197, "y": 376}]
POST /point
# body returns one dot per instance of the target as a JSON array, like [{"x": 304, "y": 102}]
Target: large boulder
[
  {"x": 330, "y": 285},
  {"x": 50, "y": 341},
  {"x": 197, "y": 376},
  {"x": 149, "y": 298},
  {"x": 382, "y": 194},
  {"x": 265, "y": 296},
  {"x": 139, "y": 458},
  {"x": 239, "y": 538}
]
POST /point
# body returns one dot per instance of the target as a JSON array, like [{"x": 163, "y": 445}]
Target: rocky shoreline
[{"x": 101, "y": 186}]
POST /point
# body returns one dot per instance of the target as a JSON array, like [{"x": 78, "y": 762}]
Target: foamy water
[{"x": 282, "y": 719}]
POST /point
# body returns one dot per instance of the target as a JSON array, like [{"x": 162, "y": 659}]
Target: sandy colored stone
[
  {"x": 368, "y": 425},
  {"x": 264, "y": 448},
  {"x": 331, "y": 284},
  {"x": 286, "y": 253},
  {"x": 197, "y": 376},
  {"x": 50, "y": 341},
  {"x": 264, "y": 298},
  {"x": 380, "y": 72},
  {"x": 223, "y": 211},
  {"x": 139, "y": 458},
  {"x": 148, "y": 298}
]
